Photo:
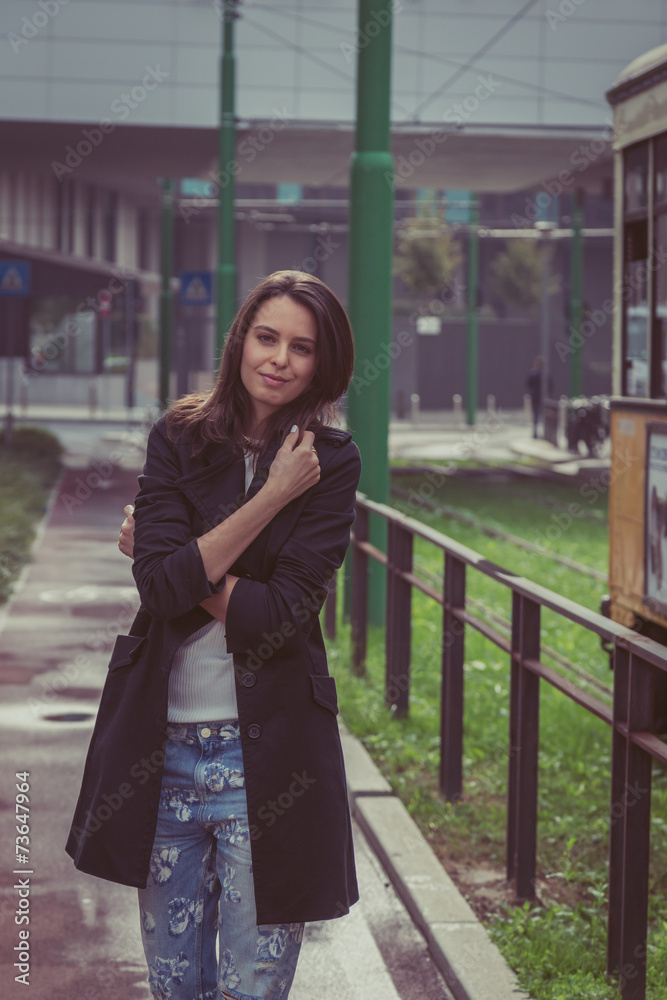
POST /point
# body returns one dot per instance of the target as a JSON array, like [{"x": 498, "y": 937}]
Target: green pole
[
  {"x": 226, "y": 283},
  {"x": 166, "y": 294},
  {"x": 576, "y": 296},
  {"x": 370, "y": 272},
  {"x": 472, "y": 333}
]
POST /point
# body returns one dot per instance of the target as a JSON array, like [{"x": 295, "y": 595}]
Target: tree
[
  {"x": 516, "y": 273},
  {"x": 427, "y": 254}
]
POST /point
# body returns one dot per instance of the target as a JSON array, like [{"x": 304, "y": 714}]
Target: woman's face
[{"x": 279, "y": 355}]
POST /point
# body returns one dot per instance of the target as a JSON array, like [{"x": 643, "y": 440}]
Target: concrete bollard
[
  {"x": 23, "y": 395},
  {"x": 563, "y": 407},
  {"x": 490, "y": 403},
  {"x": 527, "y": 408},
  {"x": 457, "y": 406},
  {"x": 92, "y": 398},
  {"x": 414, "y": 407},
  {"x": 400, "y": 404}
]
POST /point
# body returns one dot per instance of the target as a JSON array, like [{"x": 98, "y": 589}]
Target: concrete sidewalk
[{"x": 411, "y": 930}]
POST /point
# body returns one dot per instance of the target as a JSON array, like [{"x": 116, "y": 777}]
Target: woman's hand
[
  {"x": 126, "y": 537},
  {"x": 295, "y": 468}
]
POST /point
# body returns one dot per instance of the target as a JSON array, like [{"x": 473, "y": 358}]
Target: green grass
[
  {"x": 558, "y": 948},
  {"x": 28, "y": 470}
]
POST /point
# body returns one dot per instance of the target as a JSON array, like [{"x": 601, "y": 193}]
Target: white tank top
[{"x": 201, "y": 682}]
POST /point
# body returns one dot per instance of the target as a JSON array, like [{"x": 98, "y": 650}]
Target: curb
[{"x": 469, "y": 961}]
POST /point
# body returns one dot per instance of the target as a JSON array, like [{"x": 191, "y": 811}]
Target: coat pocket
[
  {"x": 125, "y": 650},
  {"x": 324, "y": 692}
]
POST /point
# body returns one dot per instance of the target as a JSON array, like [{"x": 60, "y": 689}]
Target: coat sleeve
[
  {"x": 168, "y": 568},
  {"x": 289, "y": 603}
]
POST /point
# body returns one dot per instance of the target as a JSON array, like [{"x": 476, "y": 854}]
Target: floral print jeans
[{"x": 200, "y": 886}]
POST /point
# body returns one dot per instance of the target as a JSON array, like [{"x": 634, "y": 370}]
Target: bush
[{"x": 28, "y": 469}]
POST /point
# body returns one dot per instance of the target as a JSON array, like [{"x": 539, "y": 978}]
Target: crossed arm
[{"x": 294, "y": 469}]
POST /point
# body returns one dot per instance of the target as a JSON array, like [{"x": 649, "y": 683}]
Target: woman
[{"x": 214, "y": 780}]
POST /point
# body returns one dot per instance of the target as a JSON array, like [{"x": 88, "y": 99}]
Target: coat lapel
[
  {"x": 262, "y": 471},
  {"x": 216, "y": 488}
]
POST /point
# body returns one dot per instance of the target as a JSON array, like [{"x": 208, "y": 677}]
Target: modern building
[{"x": 499, "y": 100}]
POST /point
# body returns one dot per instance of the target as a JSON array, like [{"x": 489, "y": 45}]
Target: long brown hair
[{"x": 224, "y": 413}]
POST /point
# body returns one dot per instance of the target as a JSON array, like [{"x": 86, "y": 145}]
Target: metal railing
[{"x": 635, "y": 744}]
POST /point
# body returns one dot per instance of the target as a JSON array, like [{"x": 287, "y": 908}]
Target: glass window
[
  {"x": 109, "y": 225},
  {"x": 660, "y": 159},
  {"x": 62, "y": 338},
  {"x": 660, "y": 284},
  {"x": 636, "y": 309},
  {"x": 91, "y": 207},
  {"x": 635, "y": 173},
  {"x": 65, "y": 205},
  {"x": 144, "y": 239}
]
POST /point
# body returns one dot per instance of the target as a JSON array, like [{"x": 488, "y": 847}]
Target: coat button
[
  {"x": 248, "y": 680},
  {"x": 254, "y": 731}
]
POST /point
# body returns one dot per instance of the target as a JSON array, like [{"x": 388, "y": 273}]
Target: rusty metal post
[
  {"x": 527, "y": 752},
  {"x": 513, "y": 760},
  {"x": 359, "y": 606},
  {"x": 399, "y": 612},
  {"x": 618, "y": 755},
  {"x": 451, "y": 703},
  {"x": 636, "y": 818}
]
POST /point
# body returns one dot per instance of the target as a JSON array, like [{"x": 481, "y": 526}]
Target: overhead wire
[{"x": 462, "y": 66}]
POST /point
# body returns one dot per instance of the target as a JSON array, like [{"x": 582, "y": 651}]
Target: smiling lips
[{"x": 273, "y": 380}]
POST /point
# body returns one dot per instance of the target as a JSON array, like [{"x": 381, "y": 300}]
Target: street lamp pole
[
  {"x": 545, "y": 229},
  {"x": 166, "y": 293},
  {"x": 472, "y": 331},
  {"x": 226, "y": 283},
  {"x": 576, "y": 290},
  {"x": 370, "y": 270}
]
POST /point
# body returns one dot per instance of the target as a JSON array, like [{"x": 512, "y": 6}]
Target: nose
[{"x": 279, "y": 356}]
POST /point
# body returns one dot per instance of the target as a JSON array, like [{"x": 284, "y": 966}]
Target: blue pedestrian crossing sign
[
  {"x": 196, "y": 288},
  {"x": 14, "y": 277}
]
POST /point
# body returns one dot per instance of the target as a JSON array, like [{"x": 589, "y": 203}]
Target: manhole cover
[{"x": 69, "y": 717}]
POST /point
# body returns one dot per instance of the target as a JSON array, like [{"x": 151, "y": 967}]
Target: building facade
[{"x": 497, "y": 100}]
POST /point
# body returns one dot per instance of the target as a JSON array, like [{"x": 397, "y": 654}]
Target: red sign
[{"x": 104, "y": 303}]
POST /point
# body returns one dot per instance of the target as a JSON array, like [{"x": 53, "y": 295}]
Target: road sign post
[{"x": 14, "y": 283}]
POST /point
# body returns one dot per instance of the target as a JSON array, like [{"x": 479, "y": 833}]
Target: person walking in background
[
  {"x": 534, "y": 386},
  {"x": 214, "y": 780}
]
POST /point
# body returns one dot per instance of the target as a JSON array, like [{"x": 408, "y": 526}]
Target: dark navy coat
[{"x": 303, "y": 862}]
